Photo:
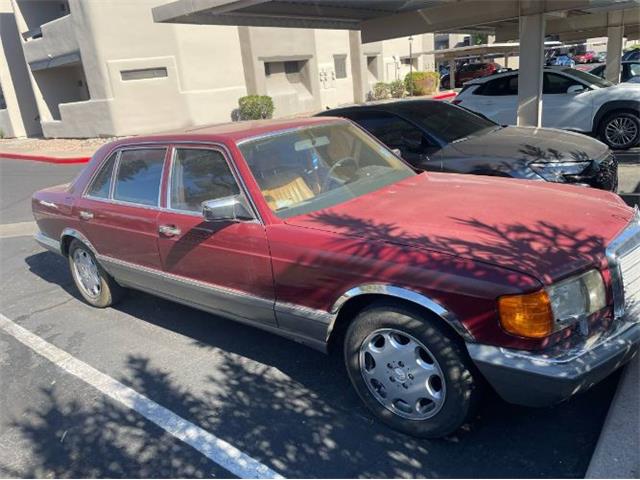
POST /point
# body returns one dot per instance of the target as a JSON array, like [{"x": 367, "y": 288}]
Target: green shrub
[
  {"x": 421, "y": 83},
  {"x": 255, "y": 107},
  {"x": 396, "y": 88},
  {"x": 380, "y": 91}
]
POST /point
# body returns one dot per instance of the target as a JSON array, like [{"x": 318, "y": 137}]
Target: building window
[
  {"x": 267, "y": 69},
  {"x": 292, "y": 66},
  {"x": 340, "y": 66},
  {"x": 144, "y": 73}
]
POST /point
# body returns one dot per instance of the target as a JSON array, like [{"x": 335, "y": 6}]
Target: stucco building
[{"x": 85, "y": 68}]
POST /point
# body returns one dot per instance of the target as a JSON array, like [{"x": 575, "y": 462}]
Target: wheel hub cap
[
  {"x": 402, "y": 374},
  {"x": 86, "y": 272}
]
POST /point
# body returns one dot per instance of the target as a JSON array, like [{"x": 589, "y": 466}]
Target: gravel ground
[{"x": 54, "y": 146}]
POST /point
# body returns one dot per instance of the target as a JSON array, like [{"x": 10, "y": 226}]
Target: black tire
[
  {"x": 109, "y": 291},
  {"x": 462, "y": 382},
  {"x": 631, "y": 119}
]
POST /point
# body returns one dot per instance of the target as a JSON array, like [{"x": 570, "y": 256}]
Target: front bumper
[{"x": 537, "y": 380}]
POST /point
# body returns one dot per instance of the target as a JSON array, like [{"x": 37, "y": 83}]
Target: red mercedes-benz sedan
[{"x": 428, "y": 284}]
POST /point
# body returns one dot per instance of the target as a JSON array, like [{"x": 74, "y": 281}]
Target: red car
[
  {"x": 427, "y": 283},
  {"x": 469, "y": 72},
  {"x": 587, "y": 57}
]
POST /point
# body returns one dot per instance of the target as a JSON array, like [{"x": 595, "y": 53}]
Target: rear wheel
[
  {"x": 410, "y": 371},
  {"x": 620, "y": 130},
  {"x": 96, "y": 286}
]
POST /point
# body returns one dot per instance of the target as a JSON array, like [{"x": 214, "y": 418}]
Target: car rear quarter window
[
  {"x": 139, "y": 176},
  {"x": 101, "y": 185},
  {"x": 198, "y": 175}
]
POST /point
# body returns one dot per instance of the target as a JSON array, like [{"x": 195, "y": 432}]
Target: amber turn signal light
[{"x": 527, "y": 315}]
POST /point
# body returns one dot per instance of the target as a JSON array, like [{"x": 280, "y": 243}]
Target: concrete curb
[
  {"x": 616, "y": 454},
  {"x": 44, "y": 158},
  {"x": 445, "y": 95}
]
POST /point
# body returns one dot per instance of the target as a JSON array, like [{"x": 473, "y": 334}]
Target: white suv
[{"x": 572, "y": 100}]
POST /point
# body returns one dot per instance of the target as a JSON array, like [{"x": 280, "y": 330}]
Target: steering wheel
[{"x": 339, "y": 163}]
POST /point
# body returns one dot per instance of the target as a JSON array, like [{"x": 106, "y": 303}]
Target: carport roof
[
  {"x": 340, "y": 14},
  {"x": 383, "y": 19}
]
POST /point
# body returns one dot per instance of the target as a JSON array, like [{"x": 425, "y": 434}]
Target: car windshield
[
  {"x": 308, "y": 169},
  {"x": 448, "y": 122},
  {"x": 588, "y": 78}
]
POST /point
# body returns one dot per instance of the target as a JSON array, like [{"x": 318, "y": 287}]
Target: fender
[
  {"x": 405, "y": 294},
  {"x": 72, "y": 232},
  {"x": 611, "y": 106}
]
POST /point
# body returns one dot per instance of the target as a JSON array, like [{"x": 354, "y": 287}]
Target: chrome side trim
[
  {"x": 184, "y": 280},
  {"x": 619, "y": 246},
  {"x": 305, "y": 312},
  {"x": 48, "y": 243},
  {"x": 405, "y": 294},
  {"x": 72, "y": 232}
]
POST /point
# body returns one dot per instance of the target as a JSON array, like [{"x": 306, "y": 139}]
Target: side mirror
[
  {"x": 573, "y": 89},
  {"x": 226, "y": 209}
]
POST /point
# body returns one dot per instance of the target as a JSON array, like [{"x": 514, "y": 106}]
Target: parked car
[
  {"x": 470, "y": 71},
  {"x": 629, "y": 70},
  {"x": 562, "y": 60},
  {"x": 586, "y": 57},
  {"x": 572, "y": 100},
  {"x": 440, "y": 137},
  {"x": 632, "y": 54},
  {"x": 314, "y": 230},
  {"x": 601, "y": 57}
]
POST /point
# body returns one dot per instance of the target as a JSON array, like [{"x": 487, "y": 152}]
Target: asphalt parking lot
[{"x": 288, "y": 407}]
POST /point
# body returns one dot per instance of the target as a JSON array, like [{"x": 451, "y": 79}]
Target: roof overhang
[{"x": 384, "y": 19}]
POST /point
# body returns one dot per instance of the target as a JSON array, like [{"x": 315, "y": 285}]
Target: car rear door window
[
  {"x": 198, "y": 175},
  {"x": 101, "y": 186},
  {"x": 499, "y": 87},
  {"x": 554, "y": 84},
  {"x": 139, "y": 176}
]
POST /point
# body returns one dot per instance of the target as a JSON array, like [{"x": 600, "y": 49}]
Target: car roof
[
  {"x": 231, "y": 132},
  {"x": 395, "y": 106},
  {"x": 548, "y": 68}
]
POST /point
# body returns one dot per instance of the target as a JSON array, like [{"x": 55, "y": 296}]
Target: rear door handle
[
  {"x": 169, "y": 230},
  {"x": 84, "y": 215}
]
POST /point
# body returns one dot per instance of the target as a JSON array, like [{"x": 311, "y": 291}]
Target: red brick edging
[{"x": 44, "y": 158}]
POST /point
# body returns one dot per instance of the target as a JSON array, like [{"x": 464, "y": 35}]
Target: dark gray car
[{"x": 438, "y": 136}]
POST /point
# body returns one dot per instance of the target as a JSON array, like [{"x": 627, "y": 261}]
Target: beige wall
[
  {"x": 20, "y": 118},
  {"x": 185, "y": 75}
]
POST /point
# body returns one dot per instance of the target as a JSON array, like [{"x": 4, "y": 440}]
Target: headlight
[
  {"x": 538, "y": 314},
  {"x": 555, "y": 171}
]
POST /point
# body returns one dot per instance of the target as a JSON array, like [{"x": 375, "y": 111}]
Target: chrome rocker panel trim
[{"x": 47, "y": 242}]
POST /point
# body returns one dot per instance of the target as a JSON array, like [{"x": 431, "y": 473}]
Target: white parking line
[
  {"x": 212, "y": 447},
  {"x": 21, "y": 229}
]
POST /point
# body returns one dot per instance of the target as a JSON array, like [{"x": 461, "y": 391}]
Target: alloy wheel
[
  {"x": 621, "y": 131},
  {"x": 402, "y": 374}
]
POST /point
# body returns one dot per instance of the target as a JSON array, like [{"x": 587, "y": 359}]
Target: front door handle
[
  {"x": 169, "y": 230},
  {"x": 84, "y": 215}
]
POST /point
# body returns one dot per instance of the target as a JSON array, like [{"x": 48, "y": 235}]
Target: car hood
[
  {"x": 540, "y": 229},
  {"x": 529, "y": 144}
]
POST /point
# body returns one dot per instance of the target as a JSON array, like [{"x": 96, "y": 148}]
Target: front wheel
[
  {"x": 410, "y": 371},
  {"x": 96, "y": 286},
  {"x": 620, "y": 130}
]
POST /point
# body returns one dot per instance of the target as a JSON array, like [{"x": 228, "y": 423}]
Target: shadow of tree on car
[{"x": 293, "y": 409}]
